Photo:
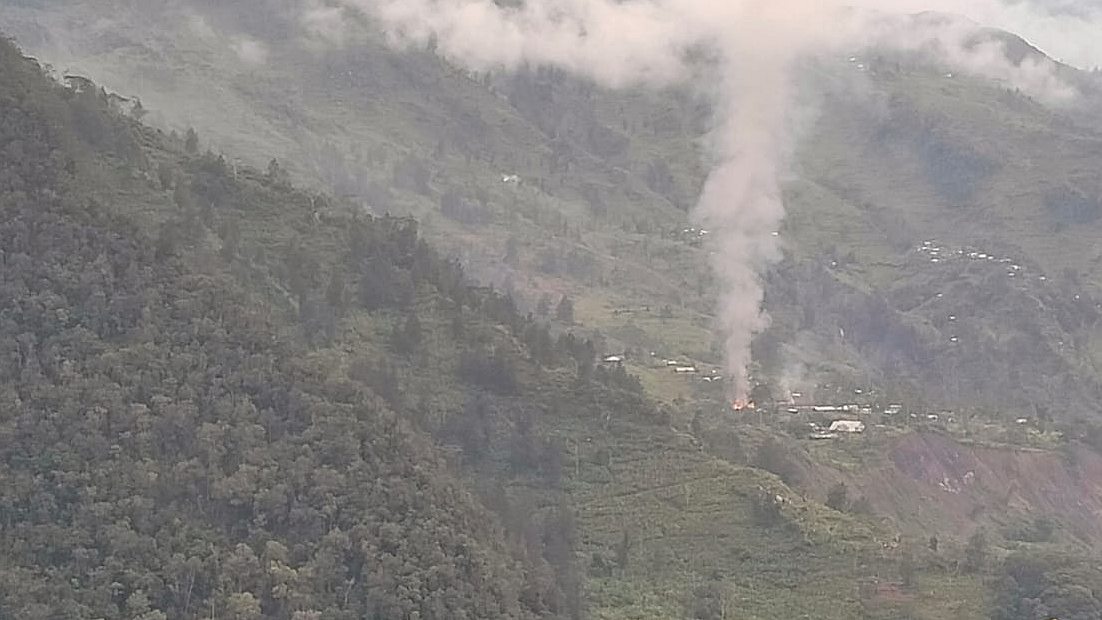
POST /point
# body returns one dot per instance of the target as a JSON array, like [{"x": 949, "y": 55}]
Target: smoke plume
[{"x": 744, "y": 50}]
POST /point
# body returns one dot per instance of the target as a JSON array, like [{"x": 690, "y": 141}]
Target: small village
[
  {"x": 847, "y": 416},
  {"x": 937, "y": 254},
  {"x": 831, "y": 419},
  {"x": 828, "y": 421},
  {"x": 827, "y": 418}
]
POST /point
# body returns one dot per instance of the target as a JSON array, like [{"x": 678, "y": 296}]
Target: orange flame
[{"x": 740, "y": 404}]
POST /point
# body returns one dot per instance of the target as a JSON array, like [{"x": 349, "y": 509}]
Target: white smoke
[
  {"x": 250, "y": 51},
  {"x": 745, "y": 50}
]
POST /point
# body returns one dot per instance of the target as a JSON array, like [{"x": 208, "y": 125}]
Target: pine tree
[
  {"x": 191, "y": 142},
  {"x": 838, "y": 497},
  {"x": 975, "y": 552}
]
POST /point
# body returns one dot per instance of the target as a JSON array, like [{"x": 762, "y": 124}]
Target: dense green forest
[{"x": 174, "y": 445}]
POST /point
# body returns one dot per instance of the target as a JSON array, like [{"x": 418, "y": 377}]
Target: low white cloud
[
  {"x": 1068, "y": 30},
  {"x": 250, "y": 51},
  {"x": 325, "y": 23}
]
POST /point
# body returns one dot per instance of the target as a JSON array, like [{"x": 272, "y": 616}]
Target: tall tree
[
  {"x": 975, "y": 551},
  {"x": 191, "y": 141},
  {"x": 838, "y": 497}
]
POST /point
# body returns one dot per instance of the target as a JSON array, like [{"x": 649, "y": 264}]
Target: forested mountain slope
[{"x": 171, "y": 446}]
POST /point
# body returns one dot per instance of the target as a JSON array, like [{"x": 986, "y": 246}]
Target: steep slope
[
  {"x": 934, "y": 485},
  {"x": 169, "y": 449},
  {"x": 1010, "y": 484}
]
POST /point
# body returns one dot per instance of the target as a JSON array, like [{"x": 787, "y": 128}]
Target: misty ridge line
[{"x": 752, "y": 47}]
